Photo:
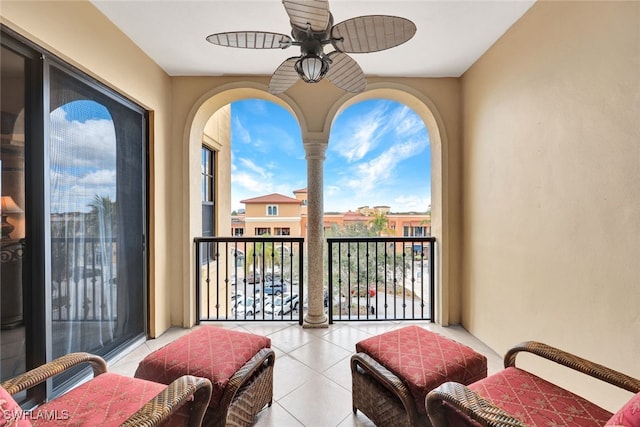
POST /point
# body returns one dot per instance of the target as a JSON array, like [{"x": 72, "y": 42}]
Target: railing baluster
[{"x": 402, "y": 269}]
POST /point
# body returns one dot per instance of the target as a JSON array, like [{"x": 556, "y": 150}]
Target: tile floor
[{"x": 312, "y": 376}]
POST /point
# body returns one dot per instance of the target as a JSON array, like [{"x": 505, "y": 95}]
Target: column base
[{"x": 316, "y": 322}]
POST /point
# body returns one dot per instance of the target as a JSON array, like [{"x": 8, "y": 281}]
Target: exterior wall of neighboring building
[
  {"x": 289, "y": 216},
  {"x": 276, "y": 215}
]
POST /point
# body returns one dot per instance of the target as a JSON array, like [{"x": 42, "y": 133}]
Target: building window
[
  {"x": 272, "y": 210},
  {"x": 208, "y": 191},
  {"x": 207, "y": 170},
  {"x": 238, "y": 232},
  {"x": 260, "y": 231},
  {"x": 420, "y": 231},
  {"x": 282, "y": 231}
]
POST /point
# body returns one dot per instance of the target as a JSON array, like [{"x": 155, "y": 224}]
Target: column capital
[{"x": 315, "y": 148}]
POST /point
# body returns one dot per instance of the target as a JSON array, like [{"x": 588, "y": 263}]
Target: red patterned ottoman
[
  {"x": 239, "y": 365},
  {"x": 393, "y": 372}
]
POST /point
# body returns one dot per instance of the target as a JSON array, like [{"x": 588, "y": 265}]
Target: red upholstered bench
[
  {"x": 393, "y": 372},
  {"x": 239, "y": 365}
]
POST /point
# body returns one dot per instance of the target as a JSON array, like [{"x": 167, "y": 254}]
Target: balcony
[{"x": 312, "y": 377}]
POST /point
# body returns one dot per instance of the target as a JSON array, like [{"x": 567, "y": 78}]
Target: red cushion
[
  {"x": 628, "y": 415},
  {"x": 106, "y": 400},
  {"x": 537, "y": 402},
  {"x": 424, "y": 359},
  {"x": 10, "y": 412},
  {"x": 209, "y": 352}
]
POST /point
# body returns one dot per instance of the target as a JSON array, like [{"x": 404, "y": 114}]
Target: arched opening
[
  {"x": 418, "y": 102},
  {"x": 197, "y": 132},
  {"x": 446, "y": 285}
]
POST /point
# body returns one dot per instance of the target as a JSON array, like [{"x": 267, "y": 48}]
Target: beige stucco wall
[{"x": 551, "y": 204}]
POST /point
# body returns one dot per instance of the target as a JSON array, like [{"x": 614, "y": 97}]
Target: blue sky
[{"x": 378, "y": 154}]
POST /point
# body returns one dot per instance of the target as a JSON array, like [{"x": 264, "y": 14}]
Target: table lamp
[{"x": 9, "y": 206}]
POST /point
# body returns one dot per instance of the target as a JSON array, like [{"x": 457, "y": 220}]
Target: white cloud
[
  {"x": 408, "y": 124},
  {"x": 411, "y": 203},
  {"x": 332, "y": 190},
  {"x": 98, "y": 177},
  {"x": 251, "y": 182},
  {"x": 368, "y": 175},
  {"x": 83, "y": 161},
  {"x": 361, "y": 135},
  {"x": 241, "y": 132},
  {"x": 248, "y": 164},
  {"x": 87, "y": 144}
]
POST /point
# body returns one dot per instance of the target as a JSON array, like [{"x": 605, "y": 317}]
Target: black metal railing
[
  {"x": 249, "y": 278},
  {"x": 380, "y": 278},
  {"x": 83, "y": 273}
]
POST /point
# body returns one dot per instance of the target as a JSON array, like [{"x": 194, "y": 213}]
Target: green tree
[
  {"x": 102, "y": 218},
  {"x": 379, "y": 223},
  {"x": 260, "y": 254}
]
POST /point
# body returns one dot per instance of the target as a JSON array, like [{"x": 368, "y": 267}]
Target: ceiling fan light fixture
[{"x": 311, "y": 68}]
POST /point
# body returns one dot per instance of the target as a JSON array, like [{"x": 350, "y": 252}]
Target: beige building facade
[{"x": 279, "y": 215}]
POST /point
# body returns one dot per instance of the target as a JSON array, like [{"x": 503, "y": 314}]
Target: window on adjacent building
[
  {"x": 420, "y": 231},
  {"x": 272, "y": 210},
  {"x": 282, "y": 231},
  {"x": 262, "y": 230},
  {"x": 238, "y": 232},
  {"x": 207, "y": 170}
]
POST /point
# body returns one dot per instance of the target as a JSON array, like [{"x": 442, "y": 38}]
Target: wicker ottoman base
[
  {"x": 381, "y": 395},
  {"x": 393, "y": 372},
  {"x": 248, "y": 392},
  {"x": 239, "y": 364}
]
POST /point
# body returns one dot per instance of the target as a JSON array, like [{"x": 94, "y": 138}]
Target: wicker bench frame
[
  {"x": 153, "y": 413},
  {"x": 485, "y": 413},
  {"x": 249, "y": 390}
]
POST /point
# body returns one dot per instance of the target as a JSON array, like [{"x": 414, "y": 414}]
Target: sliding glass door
[{"x": 82, "y": 227}]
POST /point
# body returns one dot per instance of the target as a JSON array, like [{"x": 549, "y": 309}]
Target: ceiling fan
[{"x": 312, "y": 29}]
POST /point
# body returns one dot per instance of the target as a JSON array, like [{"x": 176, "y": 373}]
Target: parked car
[
  {"x": 248, "y": 306},
  {"x": 275, "y": 285},
  {"x": 282, "y": 305},
  {"x": 236, "y": 296},
  {"x": 253, "y": 277}
]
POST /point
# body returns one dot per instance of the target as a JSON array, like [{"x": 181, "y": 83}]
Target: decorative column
[{"x": 314, "y": 150}]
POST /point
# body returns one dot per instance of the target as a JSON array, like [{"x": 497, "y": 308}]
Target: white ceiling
[{"x": 451, "y": 35}]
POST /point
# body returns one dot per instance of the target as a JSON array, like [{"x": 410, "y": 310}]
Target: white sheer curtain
[{"x": 83, "y": 222}]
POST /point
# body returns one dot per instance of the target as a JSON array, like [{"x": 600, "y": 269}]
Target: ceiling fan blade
[
  {"x": 284, "y": 76},
  {"x": 371, "y": 33},
  {"x": 312, "y": 12},
  {"x": 251, "y": 40},
  {"x": 345, "y": 73}
]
